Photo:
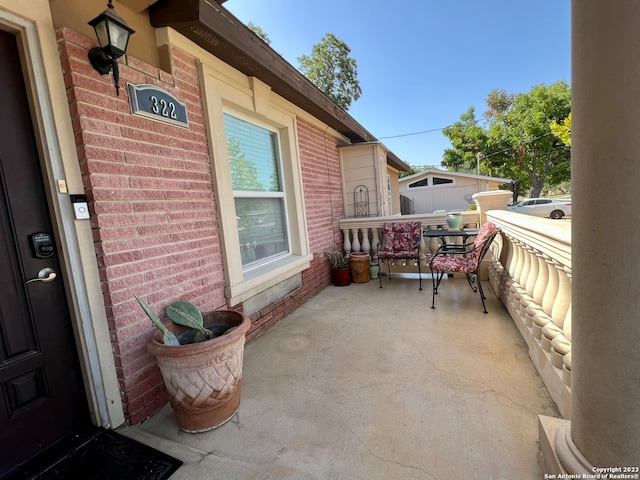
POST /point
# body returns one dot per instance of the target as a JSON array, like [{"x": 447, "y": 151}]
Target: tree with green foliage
[
  {"x": 259, "y": 32},
  {"x": 468, "y": 139},
  {"x": 244, "y": 175},
  {"x": 417, "y": 169},
  {"x": 563, "y": 130},
  {"x": 332, "y": 70},
  {"x": 516, "y": 140}
]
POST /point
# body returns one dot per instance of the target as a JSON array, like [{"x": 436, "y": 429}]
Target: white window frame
[
  {"x": 432, "y": 177},
  {"x": 226, "y": 90},
  {"x": 266, "y": 194},
  {"x": 412, "y": 185},
  {"x": 430, "y": 183}
]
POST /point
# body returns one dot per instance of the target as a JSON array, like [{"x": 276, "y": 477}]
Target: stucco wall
[
  {"x": 359, "y": 163},
  {"x": 75, "y": 14},
  {"x": 154, "y": 215}
]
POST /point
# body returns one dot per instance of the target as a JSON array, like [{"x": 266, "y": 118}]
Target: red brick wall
[
  {"x": 322, "y": 186},
  {"x": 154, "y": 218},
  {"x": 324, "y": 206}
]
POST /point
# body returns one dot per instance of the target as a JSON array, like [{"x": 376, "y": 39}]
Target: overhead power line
[
  {"x": 517, "y": 146},
  {"x": 442, "y": 128},
  {"x": 420, "y": 133},
  {"x": 414, "y": 133}
]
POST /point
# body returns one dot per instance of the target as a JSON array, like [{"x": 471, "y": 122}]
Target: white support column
[
  {"x": 541, "y": 318},
  {"x": 553, "y": 283},
  {"x": 355, "y": 243},
  {"x": 541, "y": 281},
  {"x": 366, "y": 246},
  {"x": 604, "y": 430},
  {"x": 491, "y": 200},
  {"x": 431, "y": 246},
  {"x": 516, "y": 287},
  {"x": 346, "y": 245},
  {"x": 375, "y": 240}
]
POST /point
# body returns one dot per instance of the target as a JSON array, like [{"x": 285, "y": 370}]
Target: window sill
[{"x": 261, "y": 278}]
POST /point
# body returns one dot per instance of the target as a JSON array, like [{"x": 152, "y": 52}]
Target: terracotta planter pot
[
  {"x": 204, "y": 379},
  {"x": 359, "y": 265}
]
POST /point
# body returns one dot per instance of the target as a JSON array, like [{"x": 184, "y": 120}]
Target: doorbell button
[{"x": 80, "y": 206}]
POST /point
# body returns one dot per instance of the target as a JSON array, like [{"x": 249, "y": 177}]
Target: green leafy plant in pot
[
  {"x": 339, "y": 267},
  {"x": 199, "y": 353}
]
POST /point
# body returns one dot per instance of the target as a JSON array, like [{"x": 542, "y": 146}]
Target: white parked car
[{"x": 544, "y": 207}]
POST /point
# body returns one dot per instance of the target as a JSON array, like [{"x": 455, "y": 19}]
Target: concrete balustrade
[
  {"x": 364, "y": 234},
  {"x": 531, "y": 273}
]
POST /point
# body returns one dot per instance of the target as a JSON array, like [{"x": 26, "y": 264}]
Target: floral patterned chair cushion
[
  {"x": 463, "y": 261},
  {"x": 401, "y": 240},
  {"x": 469, "y": 263},
  {"x": 448, "y": 263}
]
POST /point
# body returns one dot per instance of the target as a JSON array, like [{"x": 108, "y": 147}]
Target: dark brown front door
[{"x": 41, "y": 393}]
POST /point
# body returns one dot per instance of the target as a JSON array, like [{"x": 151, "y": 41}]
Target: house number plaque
[{"x": 156, "y": 104}]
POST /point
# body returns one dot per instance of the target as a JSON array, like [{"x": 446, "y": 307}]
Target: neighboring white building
[
  {"x": 370, "y": 179},
  {"x": 434, "y": 189}
]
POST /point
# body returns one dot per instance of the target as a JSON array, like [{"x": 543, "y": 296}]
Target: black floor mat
[{"x": 102, "y": 455}]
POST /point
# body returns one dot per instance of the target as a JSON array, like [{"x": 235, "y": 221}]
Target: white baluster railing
[
  {"x": 532, "y": 276},
  {"x": 365, "y": 233}
]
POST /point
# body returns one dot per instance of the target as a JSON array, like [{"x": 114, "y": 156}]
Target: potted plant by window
[
  {"x": 339, "y": 267},
  {"x": 200, "y": 358}
]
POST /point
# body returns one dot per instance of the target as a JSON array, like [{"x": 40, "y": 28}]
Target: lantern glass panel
[
  {"x": 119, "y": 38},
  {"x": 101, "y": 32}
]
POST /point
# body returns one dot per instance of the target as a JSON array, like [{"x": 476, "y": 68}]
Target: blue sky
[{"x": 422, "y": 63}]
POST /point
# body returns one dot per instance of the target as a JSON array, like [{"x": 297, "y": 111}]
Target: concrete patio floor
[{"x": 369, "y": 383}]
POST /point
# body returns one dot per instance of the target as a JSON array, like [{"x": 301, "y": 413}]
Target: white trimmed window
[
  {"x": 420, "y": 183},
  {"x": 431, "y": 182},
  {"x": 260, "y": 204},
  {"x": 441, "y": 181},
  {"x": 258, "y": 191}
]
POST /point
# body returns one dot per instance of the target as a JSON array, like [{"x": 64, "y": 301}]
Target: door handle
[{"x": 45, "y": 275}]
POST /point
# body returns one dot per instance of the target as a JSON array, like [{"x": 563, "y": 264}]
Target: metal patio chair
[
  {"x": 400, "y": 241},
  {"x": 465, "y": 259}
]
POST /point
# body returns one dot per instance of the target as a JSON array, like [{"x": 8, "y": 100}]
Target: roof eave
[
  {"x": 216, "y": 30},
  {"x": 392, "y": 159},
  {"x": 431, "y": 171}
]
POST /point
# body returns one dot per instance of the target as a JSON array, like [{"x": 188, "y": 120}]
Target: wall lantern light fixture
[{"x": 113, "y": 35}]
